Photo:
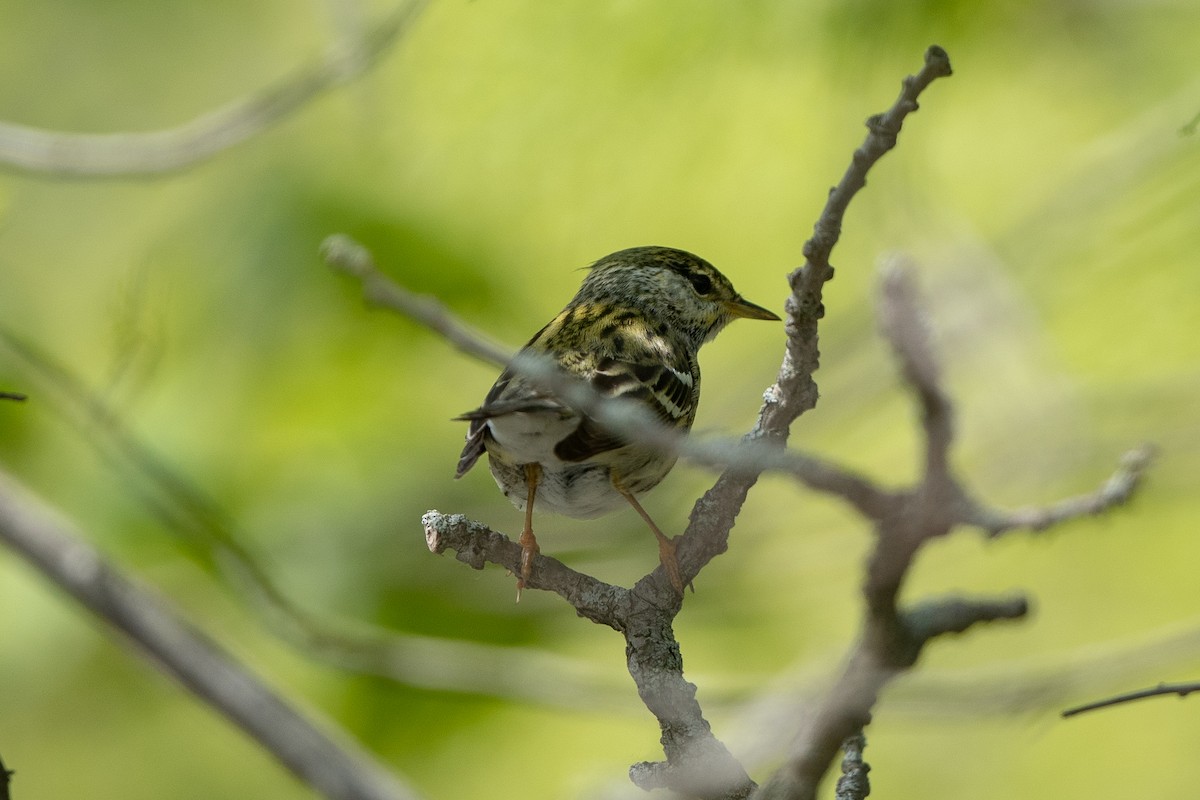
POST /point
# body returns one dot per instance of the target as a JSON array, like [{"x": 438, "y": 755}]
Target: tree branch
[
  {"x": 892, "y": 638},
  {"x": 1181, "y": 689},
  {"x": 111, "y": 155},
  {"x": 327, "y": 760},
  {"x": 1115, "y": 492}
]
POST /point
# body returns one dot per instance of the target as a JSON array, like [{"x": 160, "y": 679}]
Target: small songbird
[{"x": 632, "y": 331}]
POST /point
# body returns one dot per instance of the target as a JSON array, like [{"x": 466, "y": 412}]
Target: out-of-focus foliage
[{"x": 1045, "y": 189}]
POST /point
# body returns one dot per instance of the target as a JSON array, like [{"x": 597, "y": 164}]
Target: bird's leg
[
  {"x": 529, "y": 545},
  {"x": 666, "y": 546}
]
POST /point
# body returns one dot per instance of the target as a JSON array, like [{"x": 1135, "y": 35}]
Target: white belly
[{"x": 575, "y": 489}]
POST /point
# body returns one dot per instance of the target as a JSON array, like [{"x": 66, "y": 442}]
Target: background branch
[
  {"x": 1181, "y": 689},
  {"x": 891, "y": 638},
  {"x": 110, "y": 155},
  {"x": 212, "y": 535},
  {"x": 326, "y": 760}
]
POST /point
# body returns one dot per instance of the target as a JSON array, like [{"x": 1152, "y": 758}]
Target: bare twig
[
  {"x": 346, "y": 255},
  {"x": 322, "y": 757},
  {"x": 156, "y": 152},
  {"x": 1180, "y": 689},
  {"x": 1115, "y": 492},
  {"x": 20, "y": 398}
]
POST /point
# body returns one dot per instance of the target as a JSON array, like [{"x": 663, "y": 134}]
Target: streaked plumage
[{"x": 633, "y": 330}]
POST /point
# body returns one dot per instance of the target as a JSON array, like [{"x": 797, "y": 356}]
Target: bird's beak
[{"x": 747, "y": 310}]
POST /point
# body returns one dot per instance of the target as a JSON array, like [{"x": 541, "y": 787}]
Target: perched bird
[{"x": 633, "y": 331}]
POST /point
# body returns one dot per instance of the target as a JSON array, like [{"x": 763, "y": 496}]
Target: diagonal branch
[
  {"x": 322, "y": 757},
  {"x": 1180, "y": 689},
  {"x": 110, "y": 155},
  {"x": 346, "y": 255}
]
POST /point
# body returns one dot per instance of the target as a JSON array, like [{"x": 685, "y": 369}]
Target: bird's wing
[
  {"x": 499, "y": 402},
  {"x": 667, "y": 392}
]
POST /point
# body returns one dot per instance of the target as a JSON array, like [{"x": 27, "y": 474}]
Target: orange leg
[
  {"x": 529, "y": 545},
  {"x": 666, "y": 546}
]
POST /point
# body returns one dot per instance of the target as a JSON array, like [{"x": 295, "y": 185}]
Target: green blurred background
[{"x": 1046, "y": 192}]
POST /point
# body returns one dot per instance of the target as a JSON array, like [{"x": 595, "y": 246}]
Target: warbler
[{"x": 632, "y": 331}]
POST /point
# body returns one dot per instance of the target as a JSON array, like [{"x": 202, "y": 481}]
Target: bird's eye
[{"x": 701, "y": 283}]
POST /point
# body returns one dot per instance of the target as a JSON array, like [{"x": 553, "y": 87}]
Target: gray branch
[
  {"x": 892, "y": 638},
  {"x": 112, "y": 155},
  {"x": 1163, "y": 689},
  {"x": 319, "y": 755}
]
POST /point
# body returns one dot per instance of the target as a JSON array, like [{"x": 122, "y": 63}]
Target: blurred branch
[
  {"x": 1004, "y": 687},
  {"x": 346, "y": 255},
  {"x": 326, "y": 760},
  {"x": 1190, "y": 127},
  {"x": 186, "y": 510},
  {"x": 1181, "y": 689},
  {"x": 111, "y": 155},
  {"x": 20, "y": 398},
  {"x": 1115, "y": 492},
  {"x": 892, "y": 637}
]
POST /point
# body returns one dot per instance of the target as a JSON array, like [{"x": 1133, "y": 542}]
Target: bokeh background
[{"x": 1047, "y": 193}]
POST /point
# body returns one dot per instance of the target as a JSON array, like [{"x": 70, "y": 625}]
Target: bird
[{"x": 633, "y": 331}]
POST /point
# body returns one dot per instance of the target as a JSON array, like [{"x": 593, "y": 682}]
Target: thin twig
[
  {"x": 20, "y": 398},
  {"x": 324, "y": 758},
  {"x": 1115, "y": 492},
  {"x": 76, "y": 155},
  {"x": 1181, "y": 689},
  {"x": 346, "y": 255}
]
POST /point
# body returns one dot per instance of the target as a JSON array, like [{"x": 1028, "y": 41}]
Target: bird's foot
[
  {"x": 529, "y": 549},
  {"x": 670, "y": 562}
]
